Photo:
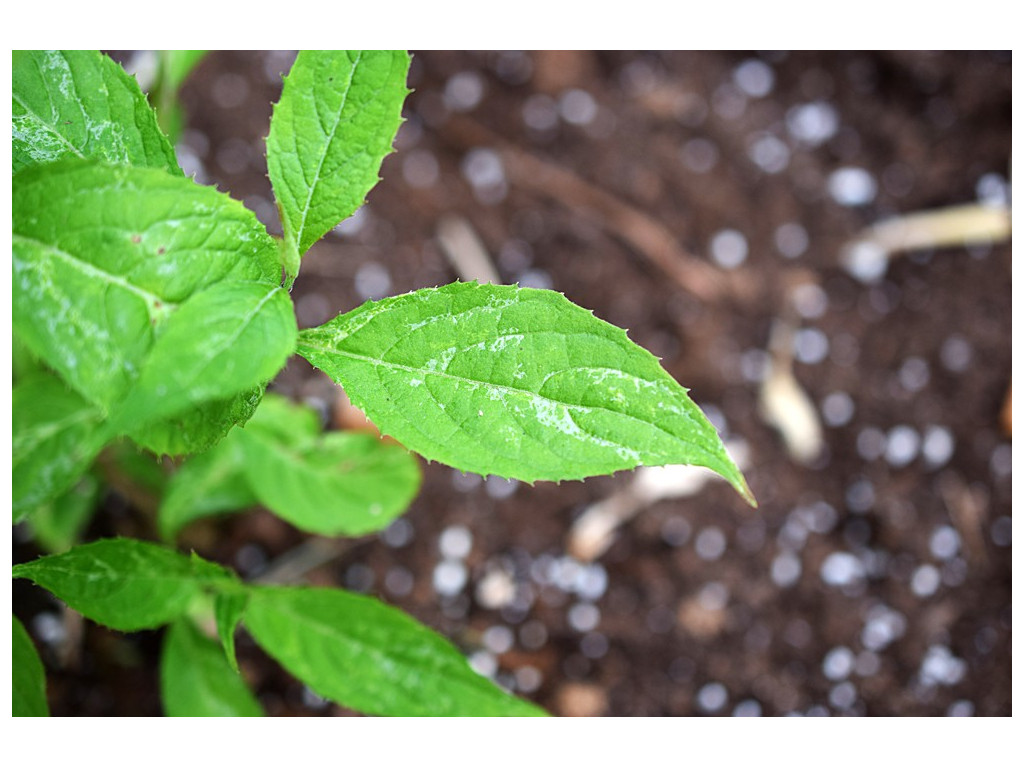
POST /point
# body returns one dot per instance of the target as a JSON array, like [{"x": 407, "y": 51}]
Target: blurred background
[{"x": 816, "y": 244}]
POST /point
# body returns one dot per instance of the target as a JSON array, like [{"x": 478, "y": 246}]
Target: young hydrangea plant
[{"x": 151, "y": 311}]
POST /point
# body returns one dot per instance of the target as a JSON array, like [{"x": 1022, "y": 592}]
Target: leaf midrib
[
  {"x": 361, "y": 646},
  {"x": 92, "y": 270},
  {"x": 323, "y": 155},
  {"x": 52, "y": 129},
  {"x": 500, "y": 387}
]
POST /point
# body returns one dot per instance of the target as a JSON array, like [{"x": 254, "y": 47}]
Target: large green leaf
[
  {"x": 103, "y": 256},
  {"x": 58, "y": 525},
  {"x": 197, "y": 681},
  {"x": 204, "y": 485},
  {"x": 220, "y": 343},
  {"x": 56, "y": 435},
  {"x": 338, "y": 114},
  {"x": 368, "y": 656},
  {"x": 81, "y": 104},
  {"x": 124, "y": 584},
  {"x": 28, "y": 679},
  {"x": 515, "y": 382}
]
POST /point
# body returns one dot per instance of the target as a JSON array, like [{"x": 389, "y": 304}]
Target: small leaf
[
  {"x": 124, "y": 584},
  {"x": 515, "y": 382},
  {"x": 346, "y": 483},
  {"x": 228, "y": 609},
  {"x": 28, "y": 679},
  {"x": 82, "y": 104},
  {"x": 216, "y": 480},
  {"x": 58, "y": 525},
  {"x": 221, "y": 342},
  {"x": 368, "y": 656},
  {"x": 197, "y": 681},
  {"x": 56, "y": 435},
  {"x": 103, "y": 256},
  {"x": 175, "y": 67},
  {"x": 204, "y": 485},
  {"x": 285, "y": 422},
  {"x": 338, "y": 115}
]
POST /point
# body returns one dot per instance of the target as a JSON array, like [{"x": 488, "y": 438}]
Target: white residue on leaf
[
  {"x": 441, "y": 363},
  {"x": 554, "y": 416},
  {"x": 499, "y": 344}
]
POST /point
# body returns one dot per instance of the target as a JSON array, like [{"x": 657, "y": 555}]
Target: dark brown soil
[{"x": 704, "y": 606}]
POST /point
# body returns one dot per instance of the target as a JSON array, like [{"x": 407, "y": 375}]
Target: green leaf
[
  {"x": 204, "y": 485},
  {"x": 124, "y": 584},
  {"x": 199, "y": 428},
  {"x": 338, "y": 115},
  {"x": 56, "y": 435},
  {"x": 216, "y": 480},
  {"x": 228, "y": 610},
  {"x": 28, "y": 680},
  {"x": 515, "y": 382},
  {"x": 175, "y": 66},
  {"x": 196, "y": 680},
  {"x": 221, "y": 342},
  {"x": 82, "y": 104},
  {"x": 58, "y": 525},
  {"x": 284, "y": 421},
  {"x": 337, "y": 483},
  {"x": 368, "y": 656},
  {"x": 345, "y": 483},
  {"x": 24, "y": 363},
  {"x": 104, "y": 255}
]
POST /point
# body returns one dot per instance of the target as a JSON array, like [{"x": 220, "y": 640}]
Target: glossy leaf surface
[
  {"x": 218, "y": 344},
  {"x": 363, "y": 654},
  {"x": 515, "y": 382},
  {"x": 338, "y": 115},
  {"x": 82, "y": 104},
  {"x": 104, "y": 255},
  {"x": 124, "y": 584}
]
